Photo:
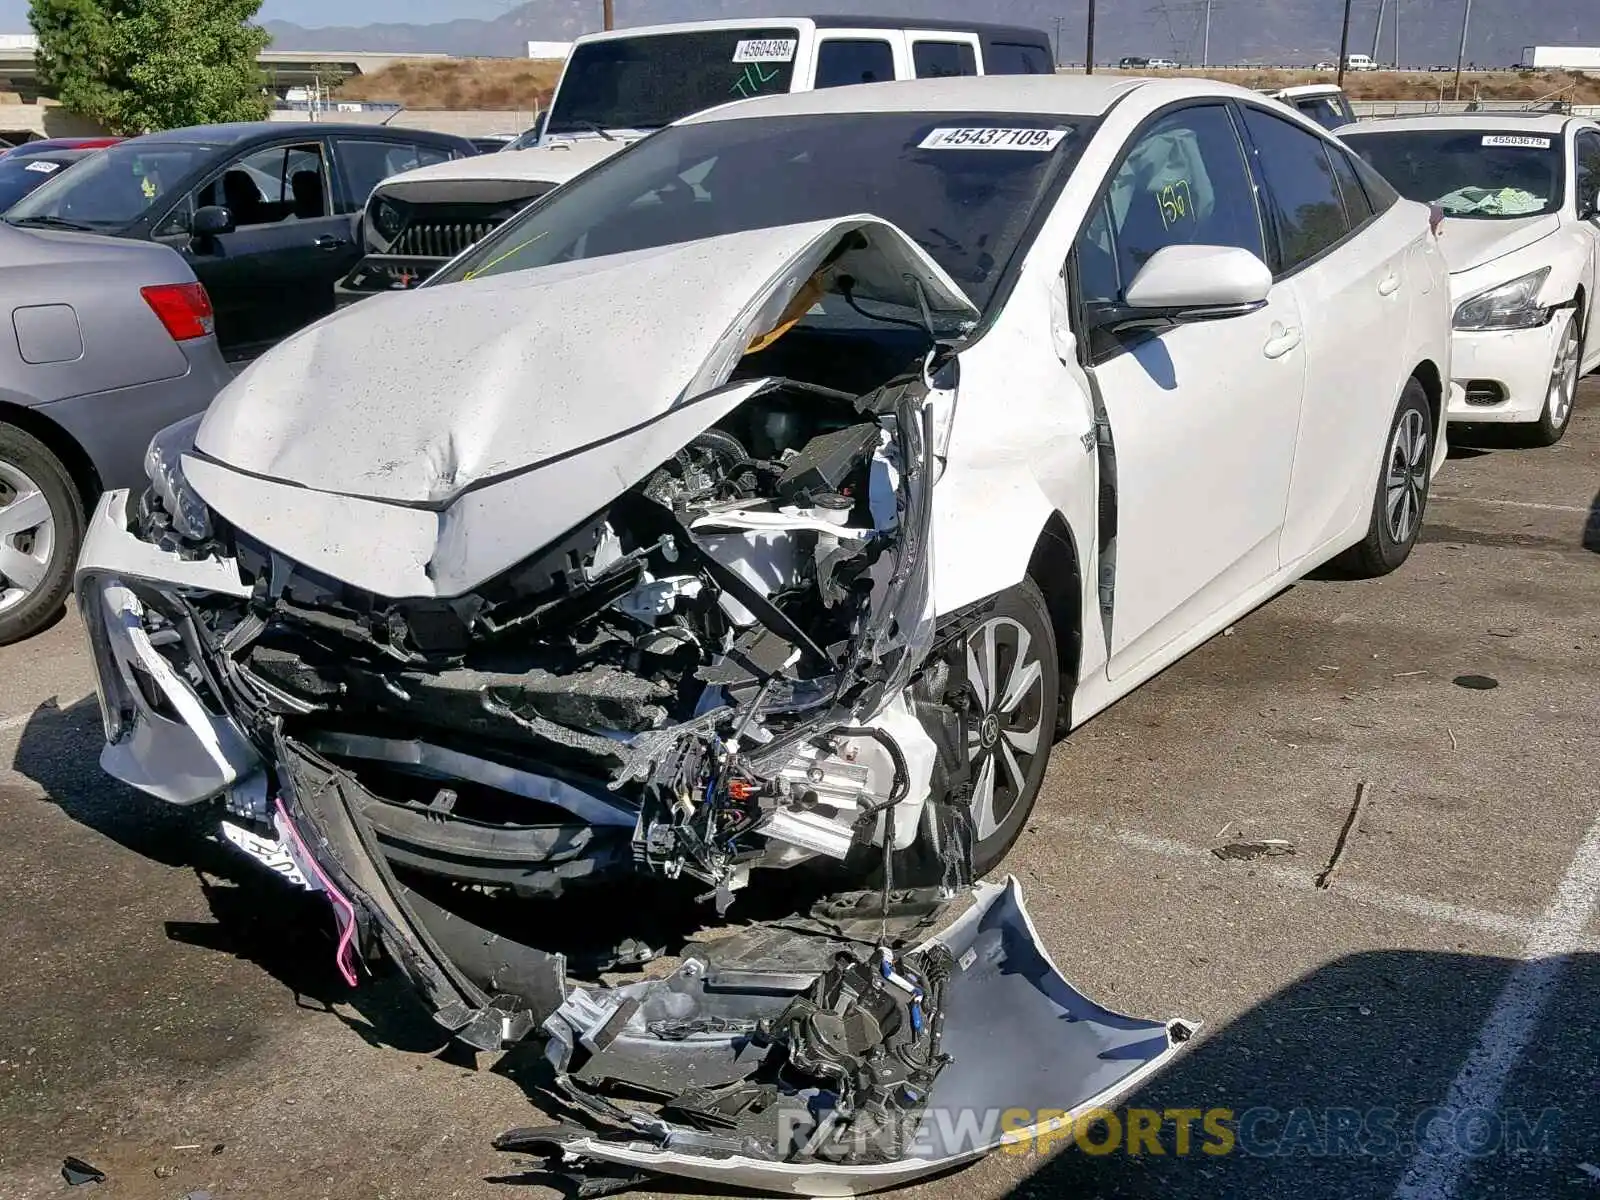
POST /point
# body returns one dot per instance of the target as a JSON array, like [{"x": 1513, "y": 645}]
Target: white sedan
[
  {"x": 1521, "y": 197},
  {"x": 773, "y": 493}
]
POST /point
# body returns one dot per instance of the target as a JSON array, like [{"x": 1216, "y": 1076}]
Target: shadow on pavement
[
  {"x": 286, "y": 932},
  {"x": 1322, "y": 1090},
  {"x": 1591, "y": 527}
]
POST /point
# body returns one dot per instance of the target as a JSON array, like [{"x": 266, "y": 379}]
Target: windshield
[
  {"x": 962, "y": 187},
  {"x": 1331, "y": 112},
  {"x": 651, "y": 81},
  {"x": 19, "y": 176},
  {"x": 114, "y": 188},
  {"x": 1469, "y": 173}
]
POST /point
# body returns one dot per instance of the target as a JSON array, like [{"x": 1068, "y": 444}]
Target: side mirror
[
  {"x": 1199, "y": 283},
  {"x": 212, "y": 221},
  {"x": 1589, "y": 206}
]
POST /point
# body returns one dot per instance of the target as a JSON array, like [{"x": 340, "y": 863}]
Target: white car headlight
[
  {"x": 1513, "y": 305},
  {"x": 163, "y": 465}
]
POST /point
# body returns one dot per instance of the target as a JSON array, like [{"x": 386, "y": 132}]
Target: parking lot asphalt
[{"x": 173, "y": 1017}]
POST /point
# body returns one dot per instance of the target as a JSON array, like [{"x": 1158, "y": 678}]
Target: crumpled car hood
[
  {"x": 418, "y": 396},
  {"x": 1472, "y": 243},
  {"x": 422, "y": 443}
]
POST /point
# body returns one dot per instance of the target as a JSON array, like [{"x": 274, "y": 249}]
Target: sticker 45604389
[
  {"x": 993, "y": 137},
  {"x": 764, "y": 50}
]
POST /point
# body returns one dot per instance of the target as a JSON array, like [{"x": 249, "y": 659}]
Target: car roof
[
  {"x": 244, "y": 131},
  {"x": 60, "y": 154},
  {"x": 825, "y": 22},
  {"x": 1305, "y": 89},
  {"x": 1543, "y": 122},
  {"x": 1066, "y": 95}
]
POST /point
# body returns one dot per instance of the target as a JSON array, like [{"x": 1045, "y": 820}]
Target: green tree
[{"x": 141, "y": 65}]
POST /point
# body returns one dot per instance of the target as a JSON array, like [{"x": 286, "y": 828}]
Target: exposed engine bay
[{"x": 675, "y": 685}]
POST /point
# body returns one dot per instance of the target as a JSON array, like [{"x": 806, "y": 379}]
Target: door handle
[
  {"x": 1389, "y": 286},
  {"x": 330, "y": 242},
  {"x": 1281, "y": 342}
]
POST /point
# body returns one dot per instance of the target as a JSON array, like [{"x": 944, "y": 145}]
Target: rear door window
[
  {"x": 1303, "y": 192},
  {"x": 938, "y": 60},
  {"x": 364, "y": 164},
  {"x": 1357, "y": 207},
  {"x": 845, "y": 61}
]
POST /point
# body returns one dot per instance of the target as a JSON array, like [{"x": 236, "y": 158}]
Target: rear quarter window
[{"x": 1016, "y": 58}]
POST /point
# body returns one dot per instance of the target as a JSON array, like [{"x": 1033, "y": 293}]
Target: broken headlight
[
  {"x": 1513, "y": 305},
  {"x": 163, "y": 466}
]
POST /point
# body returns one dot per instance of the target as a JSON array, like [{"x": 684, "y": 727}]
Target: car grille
[
  {"x": 1484, "y": 393},
  {"x": 442, "y": 239}
]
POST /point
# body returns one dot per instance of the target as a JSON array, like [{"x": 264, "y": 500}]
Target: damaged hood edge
[{"x": 507, "y": 372}]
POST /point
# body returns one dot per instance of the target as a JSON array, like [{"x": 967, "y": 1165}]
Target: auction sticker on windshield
[
  {"x": 993, "y": 138},
  {"x": 44, "y": 168},
  {"x": 765, "y": 50},
  {"x": 1516, "y": 139}
]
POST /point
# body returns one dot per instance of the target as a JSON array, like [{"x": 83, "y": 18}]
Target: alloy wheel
[
  {"x": 1564, "y": 376},
  {"x": 1005, "y": 727},
  {"x": 1406, "y": 480},
  {"x": 27, "y": 536}
]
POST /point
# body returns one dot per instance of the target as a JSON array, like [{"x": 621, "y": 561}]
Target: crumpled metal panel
[{"x": 1020, "y": 1038}]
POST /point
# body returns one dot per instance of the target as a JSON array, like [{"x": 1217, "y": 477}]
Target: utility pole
[
  {"x": 1088, "y": 49},
  {"x": 1058, "y": 41},
  {"x": 1377, "y": 30},
  {"x": 1344, "y": 42},
  {"x": 1205, "y": 52},
  {"x": 1396, "y": 35},
  {"x": 1461, "y": 54},
  {"x": 609, "y": 14}
]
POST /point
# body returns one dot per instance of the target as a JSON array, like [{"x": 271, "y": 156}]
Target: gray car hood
[{"x": 402, "y": 426}]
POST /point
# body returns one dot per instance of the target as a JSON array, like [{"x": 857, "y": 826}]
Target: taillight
[{"x": 184, "y": 308}]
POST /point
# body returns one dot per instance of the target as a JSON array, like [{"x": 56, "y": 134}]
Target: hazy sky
[{"x": 14, "y": 13}]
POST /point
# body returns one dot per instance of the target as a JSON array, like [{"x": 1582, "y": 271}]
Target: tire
[
  {"x": 1011, "y": 728},
  {"x": 37, "y": 556},
  {"x": 1566, "y": 369},
  {"x": 1401, "y": 498}
]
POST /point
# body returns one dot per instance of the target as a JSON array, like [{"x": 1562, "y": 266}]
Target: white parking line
[
  {"x": 1513, "y": 1021},
  {"x": 1566, "y": 508},
  {"x": 1295, "y": 877}
]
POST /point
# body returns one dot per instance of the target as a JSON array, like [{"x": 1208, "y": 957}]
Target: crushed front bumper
[
  {"x": 161, "y": 737},
  {"x": 1017, "y": 1053}
]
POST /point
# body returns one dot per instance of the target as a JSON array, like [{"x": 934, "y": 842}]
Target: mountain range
[{"x": 1267, "y": 32}]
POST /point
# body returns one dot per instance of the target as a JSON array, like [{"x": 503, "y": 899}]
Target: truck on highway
[{"x": 1562, "y": 58}]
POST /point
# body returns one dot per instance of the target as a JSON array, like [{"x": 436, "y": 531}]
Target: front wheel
[
  {"x": 1565, "y": 370},
  {"x": 1012, "y": 688},
  {"x": 1402, "y": 495}
]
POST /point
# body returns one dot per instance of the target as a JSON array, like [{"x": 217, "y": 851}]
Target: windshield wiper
[
  {"x": 49, "y": 222},
  {"x": 594, "y": 128}
]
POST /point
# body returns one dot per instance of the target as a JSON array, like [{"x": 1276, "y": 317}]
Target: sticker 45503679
[
  {"x": 1522, "y": 140},
  {"x": 993, "y": 137}
]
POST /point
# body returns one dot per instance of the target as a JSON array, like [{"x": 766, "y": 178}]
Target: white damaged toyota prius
[{"x": 748, "y": 516}]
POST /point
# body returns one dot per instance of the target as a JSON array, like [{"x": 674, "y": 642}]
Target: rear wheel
[
  {"x": 1013, "y": 683},
  {"x": 41, "y": 530},
  {"x": 1565, "y": 369},
  {"x": 1402, "y": 495}
]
